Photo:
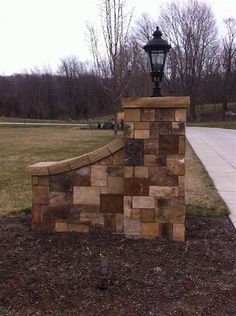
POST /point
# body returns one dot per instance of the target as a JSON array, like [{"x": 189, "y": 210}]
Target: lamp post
[{"x": 157, "y": 49}]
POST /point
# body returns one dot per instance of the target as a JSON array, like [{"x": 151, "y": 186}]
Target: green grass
[
  {"x": 227, "y": 124},
  {"x": 21, "y": 147}
]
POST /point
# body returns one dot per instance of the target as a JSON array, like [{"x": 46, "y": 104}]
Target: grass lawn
[
  {"x": 22, "y": 146},
  {"x": 209, "y": 108},
  {"x": 225, "y": 124}
]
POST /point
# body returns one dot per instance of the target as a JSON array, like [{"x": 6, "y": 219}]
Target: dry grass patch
[
  {"x": 23, "y": 146},
  {"x": 202, "y": 197}
]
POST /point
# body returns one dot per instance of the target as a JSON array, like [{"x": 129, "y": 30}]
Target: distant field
[
  {"x": 209, "y": 108},
  {"x": 221, "y": 124},
  {"x": 22, "y": 146}
]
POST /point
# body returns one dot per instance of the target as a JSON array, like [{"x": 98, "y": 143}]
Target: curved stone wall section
[{"x": 80, "y": 193}]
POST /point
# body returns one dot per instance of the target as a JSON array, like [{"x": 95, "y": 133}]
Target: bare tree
[
  {"x": 229, "y": 61},
  {"x": 191, "y": 29},
  {"x": 112, "y": 62}
]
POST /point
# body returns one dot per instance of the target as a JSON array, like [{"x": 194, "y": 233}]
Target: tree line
[{"x": 201, "y": 63}]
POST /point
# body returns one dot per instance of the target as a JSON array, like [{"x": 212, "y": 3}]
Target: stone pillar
[{"x": 154, "y": 167}]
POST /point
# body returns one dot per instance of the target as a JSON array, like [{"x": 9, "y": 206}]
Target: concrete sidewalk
[{"x": 216, "y": 148}]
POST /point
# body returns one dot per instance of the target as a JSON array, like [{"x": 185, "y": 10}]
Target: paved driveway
[{"x": 216, "y": 147}]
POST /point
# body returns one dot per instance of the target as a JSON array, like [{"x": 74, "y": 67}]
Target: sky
[{"x": 38, "y": 33}]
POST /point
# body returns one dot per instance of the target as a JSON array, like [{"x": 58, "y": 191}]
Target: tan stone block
[
  {"x": 78, "y": 227},
  {"x": 79, "y": 162},
  {"x": 182, "y": 145},
  {"x": 115, "y": 185},
  {"x": 43, "y": 180},
  {"x": 118, "y": 157},
  {"x": 150, "y": 229},
  {"x": 104, "y": 190},
  {"x": 86, "y": 195},
  {"x": 178, "y": 128},
  {"x": 179, "y": 232},
  {"x": 132, "y": 115},
  {"x": 106, "y": 161},
  {"x": 98, "y": 154},
  {"x": 128, "y": 172},
  {"x": 61, "y": 226},
  {"x": 98, "y": 175},
  {"x": 59, "y": 167},
  {"x": 150, "y": 160},
  {"x": 129, "y": 129},
  {"x": 175, "y": 165},
  {"x": 135, "y": 213},
  {"x": 40, "y": 168},
  {"x": 61, "y": 198},
  {"x": 116, "y": 144},
  {"x": 35, "y": 180},
  {"x": 142, "y": 133},
  {"x": 40, "y": 194},
  {"x": 132, "y": 227},
  {"x": 143, "y": 202},
  {"x": 141, "y": 172},
  {"x": 127, "y": 206},
  {"x": 142, "y": 125},
  {"x": 119, "y": 223},
  {"x": 147, "y": 215},
  {"x": 148, "y": 115},
  {"x": 163, "y": 191},
  {"x": 181, "y": 186},
  {"x": 180, "y": 115},
  {"x": 156, "y": 102}
]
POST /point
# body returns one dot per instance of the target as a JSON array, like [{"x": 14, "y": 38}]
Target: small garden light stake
[{"x": 104, "y": 274}]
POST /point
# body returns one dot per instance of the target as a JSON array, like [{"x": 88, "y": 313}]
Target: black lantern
[{"x": 157, "y": 49}]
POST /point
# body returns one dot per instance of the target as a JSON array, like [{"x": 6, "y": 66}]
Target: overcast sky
[{"x": 34, "y": 33}]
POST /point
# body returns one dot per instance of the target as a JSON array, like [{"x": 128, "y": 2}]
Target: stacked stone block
[
  {"x": 154, "y": 168},
  {"x": 89, "y": 195}
]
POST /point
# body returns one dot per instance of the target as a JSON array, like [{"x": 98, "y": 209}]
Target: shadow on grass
[{"x": 201, "y": 210}]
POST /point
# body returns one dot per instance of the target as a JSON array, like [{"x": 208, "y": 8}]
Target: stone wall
[{"x": 133, "y": 185}]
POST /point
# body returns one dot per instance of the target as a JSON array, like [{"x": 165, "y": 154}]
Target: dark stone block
[
  {"x": 111, "y": 203},
  {"x": 166, "y": 230},
  {"x": 58, "y": 212},
  {"x": 81, "y": 177},
  {"x": 151, "y": 146},
  {"x": 136, "y": 186},
  {"x": 115, "y": 171},
  {"x": 159, "y": 176},
  {"x": 154, "y": 130},
  {"x": 165, "y": 128},
  {"x": 178, "y": 128},
  {"x": 110, "y": 222},
  {"x": 165, "y": 115},
  {"x": 60, "y": 183},
  {"x": 168, "y": 145},
  {"x": 134, "y": 152}
]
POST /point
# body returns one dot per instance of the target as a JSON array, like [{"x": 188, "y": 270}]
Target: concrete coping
[
  {"x": 56, "y": 167},
  {"x": 156, "y": 102}
]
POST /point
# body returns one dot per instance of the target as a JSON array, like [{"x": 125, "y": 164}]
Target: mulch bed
[{"x": 59, "y": 273}]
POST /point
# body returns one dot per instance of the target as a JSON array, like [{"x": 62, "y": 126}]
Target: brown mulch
[{"x": 58, "y": 273}]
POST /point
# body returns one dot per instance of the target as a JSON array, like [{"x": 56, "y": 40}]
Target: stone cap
[
  {"x": 156, "y": 102},
  {"x": 55, "y": 167}
]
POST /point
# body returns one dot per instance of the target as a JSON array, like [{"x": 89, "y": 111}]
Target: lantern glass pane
[{"x": 157, "y": 60}]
